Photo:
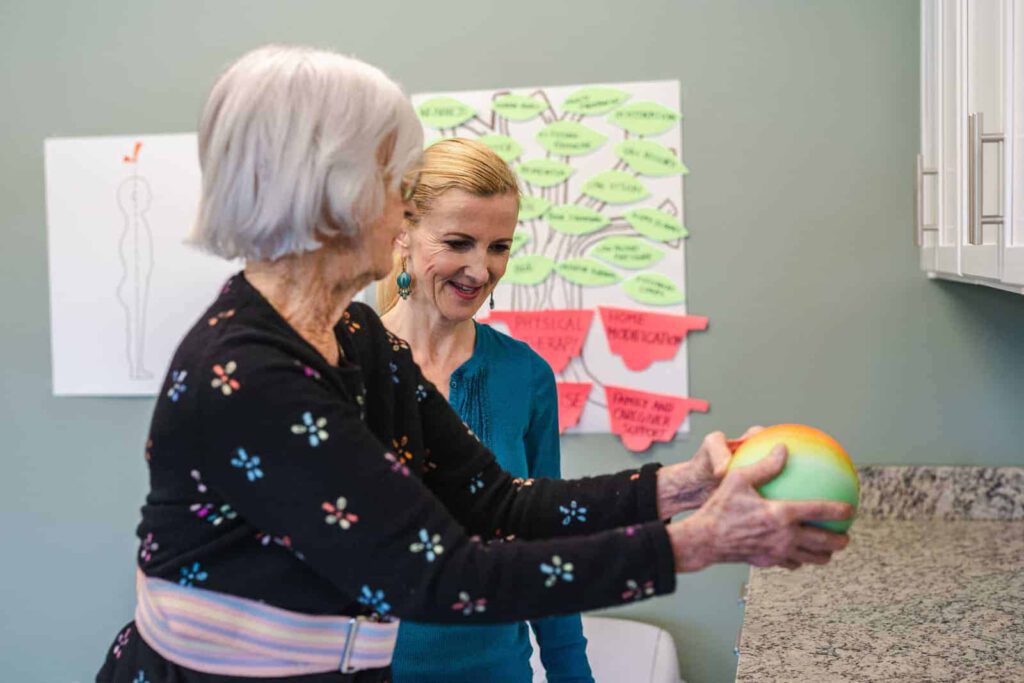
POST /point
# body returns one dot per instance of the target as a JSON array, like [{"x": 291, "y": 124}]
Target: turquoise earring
[{"x": 404, "y": 281}]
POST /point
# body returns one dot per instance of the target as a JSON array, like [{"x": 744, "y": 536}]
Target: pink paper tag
[
  {"x": 557, "y": 336},
  {"x": 641, "y": 418},
  {"x": 641, "y": 337},
  {"x": 572, "y": 397}
]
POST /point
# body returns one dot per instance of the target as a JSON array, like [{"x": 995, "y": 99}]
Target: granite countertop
[{"x": 931, "y": 588}]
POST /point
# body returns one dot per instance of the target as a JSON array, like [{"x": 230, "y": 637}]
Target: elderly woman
[
  {"x": 454, "y": 251},
  {"x": 309, "y": 486}
]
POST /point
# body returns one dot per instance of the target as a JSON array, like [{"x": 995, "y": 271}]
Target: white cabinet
[{"x": 969, "y": 184}]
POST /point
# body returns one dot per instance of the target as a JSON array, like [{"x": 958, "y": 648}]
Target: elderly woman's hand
[
  {"x": 737, "y": 525},
  {"x": 687, "y": 485}
]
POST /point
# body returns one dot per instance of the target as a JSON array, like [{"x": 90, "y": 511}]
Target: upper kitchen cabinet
[{"x": 969, "y": 184}]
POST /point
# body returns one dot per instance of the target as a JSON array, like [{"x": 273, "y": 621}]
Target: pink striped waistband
[{"x": 218, "y": 633}]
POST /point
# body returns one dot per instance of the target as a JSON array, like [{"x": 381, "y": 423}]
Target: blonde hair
[
  {"x": 451, "y": 164},
  {"x": 296, "y": 143}
]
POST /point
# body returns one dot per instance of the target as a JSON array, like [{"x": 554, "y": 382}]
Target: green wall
[{"x": 800, "y": 131}]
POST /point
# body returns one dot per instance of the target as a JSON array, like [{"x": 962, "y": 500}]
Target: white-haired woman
[{"x": 308, "y": 486}]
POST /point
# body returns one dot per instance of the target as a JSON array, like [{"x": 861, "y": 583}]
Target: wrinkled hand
[
  {"x": 687, "y": 485},
  {"x": 737, "y": 525}
]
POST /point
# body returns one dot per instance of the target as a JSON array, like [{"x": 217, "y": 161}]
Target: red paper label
[
  {"x": 557, "y": 336},
  {"x": 572, "y": 397},
  {"x": 641, "y": 337},
  {"x": 641, "y": 418}
]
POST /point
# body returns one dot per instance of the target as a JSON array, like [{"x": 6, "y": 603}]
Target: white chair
[{"x": 623, "y": 651}]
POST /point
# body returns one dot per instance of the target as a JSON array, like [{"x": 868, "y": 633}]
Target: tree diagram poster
[
  {"x": 596, "y": 282},
  {"x": 124, "y": 288}
]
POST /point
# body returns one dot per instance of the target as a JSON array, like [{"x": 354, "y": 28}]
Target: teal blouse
[{"x": 506, "y": 393}]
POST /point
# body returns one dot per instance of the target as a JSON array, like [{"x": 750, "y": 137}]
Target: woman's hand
[
  {"x": 737, "y": 525},
  {"x": 687, "y": 485}
]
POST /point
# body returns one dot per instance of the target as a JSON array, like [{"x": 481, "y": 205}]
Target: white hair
[{"x": 294, "y": 143}]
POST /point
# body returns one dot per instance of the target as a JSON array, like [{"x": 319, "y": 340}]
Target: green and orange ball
[{"x": 817, "y": 468}]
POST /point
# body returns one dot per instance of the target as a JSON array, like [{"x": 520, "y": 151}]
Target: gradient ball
[{"x": 817, "y": 468}]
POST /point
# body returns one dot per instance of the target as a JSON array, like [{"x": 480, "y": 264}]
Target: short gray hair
[{"x": 296, "y": 142}]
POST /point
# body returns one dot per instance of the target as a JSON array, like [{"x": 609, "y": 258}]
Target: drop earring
[
  {"x": 404, "y": 281},
  {"x": 492, "y": 299}
]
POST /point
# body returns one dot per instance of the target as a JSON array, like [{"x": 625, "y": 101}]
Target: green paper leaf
[
  {"x": 654, "y": 289},
  {"x": 571, "y": 219},
  {"x": 587, "y": 272},
  {"x": 615, "y": 187},
  {"x": 519, "y": 240},
  {"x": 445, "y": 112},
  {"x": 624, "y": 251},
  {"x": 545, "y": 172},
  {"x": 504, "y": 146},
  {"x": 644, "y": 118},
  {"x": 532, "y": 207},
  {"x": 518, "y": 107},
  {"x": 650, "y": 158},
  {"x": 569, "y": 139},
  {"x": 594, "y": 101},
  {"x": 656, "y": 225},
  {"x": 530, "y": 269}
]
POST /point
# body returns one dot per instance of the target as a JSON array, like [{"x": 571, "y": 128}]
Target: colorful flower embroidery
[
  {"x": 223, "y": 380},
  {"x": 313, "y": 428},
  {"x": 468, "y": 606},
  {"x": 574, "y": 511},
  {"x": 634, "y": 476},
  {"x": 394, "y": 373},
  {"x": 190, "y": 575},
  {"x": 351, "y": 324},
  {"x": 375, "y": 600},
  {"x": 223, "y": 315},
  {"x": 140, "y": 677},
  {"x": 212, "y": 514},
  {"x": 470, "y": 431},
  {"x": 249, "y": 463},
  {"x": 197, "y": 478},
  {"x": 178, "y": 386},
  {"x": 430, "y": 544},
  {"x": 267, "y": 539},
  {"x": 519, "y": 483},
  {"x": 336, "y": 514},
  {"x": 121, "y": 642},
  {"x": 400, "y": 447},
  {"x": 635, "y": 591},
  {"x": 421, "y": 393},
  {"x": 308, "y": 371},
  {"x": 631, "y": 529},
  {"x": 556, "y": 570},
  {"x": 149, "y": 546},
  {"x": 396, "y": 343},
  {"x": 476, "y": 483},
  {"x": 396, "y": 464}
]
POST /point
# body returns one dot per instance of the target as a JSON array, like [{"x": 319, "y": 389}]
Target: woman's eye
[
  {"x": 458, "y": 245},
  {"x": 501, "y": 248}
]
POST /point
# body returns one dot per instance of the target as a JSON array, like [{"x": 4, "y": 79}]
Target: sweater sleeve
[
  {"x": 563, "y": 648},
  {"x": 489, "y": 502},
  {"x": 295, "y": 460}
]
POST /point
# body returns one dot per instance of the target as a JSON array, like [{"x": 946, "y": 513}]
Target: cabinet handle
[
  {"x": 975, "y": 177},
  {"x": 919, "y": 227}
]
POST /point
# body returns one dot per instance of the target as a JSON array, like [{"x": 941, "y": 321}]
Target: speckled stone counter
[{"x": 931, "y": 588}]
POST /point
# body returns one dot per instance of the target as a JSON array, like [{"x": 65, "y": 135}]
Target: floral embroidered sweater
[{"x": 357, "y": 489}]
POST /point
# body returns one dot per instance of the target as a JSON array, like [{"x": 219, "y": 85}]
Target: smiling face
[{"x": 458, "y": 251}]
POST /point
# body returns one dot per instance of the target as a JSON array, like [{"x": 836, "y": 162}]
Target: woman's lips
[{"x": 463, "y": 292}]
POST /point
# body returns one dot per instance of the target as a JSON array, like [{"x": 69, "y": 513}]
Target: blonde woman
[{"x": 452, "y": 255}]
